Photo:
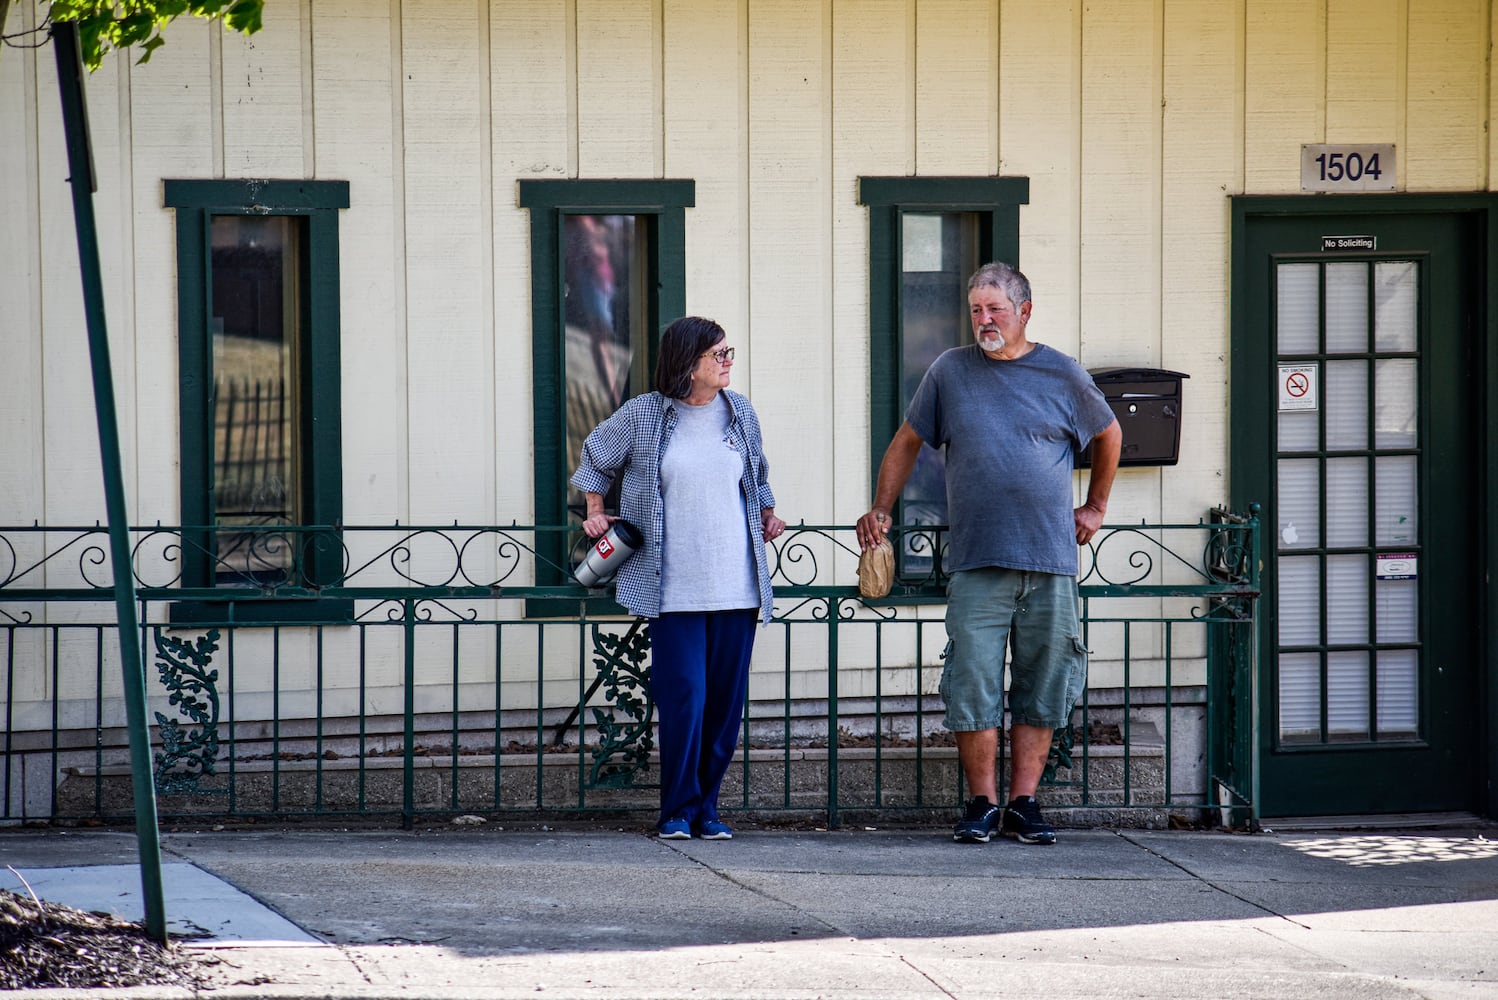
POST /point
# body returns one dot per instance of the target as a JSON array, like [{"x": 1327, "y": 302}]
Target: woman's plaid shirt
[{"x": 632, "y": 442}]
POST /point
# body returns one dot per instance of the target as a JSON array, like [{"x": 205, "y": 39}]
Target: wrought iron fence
[{"x": 421, "y": 671}]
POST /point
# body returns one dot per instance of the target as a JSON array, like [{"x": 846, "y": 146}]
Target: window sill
[
  {"x": 310, "y": 611},
  {"x": 593, "y": 605}
]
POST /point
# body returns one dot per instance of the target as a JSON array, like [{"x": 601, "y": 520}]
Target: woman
[{"x": 695, "y": 485}]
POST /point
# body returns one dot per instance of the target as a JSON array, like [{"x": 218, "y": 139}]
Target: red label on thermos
[{"x": 605, "y": 547}]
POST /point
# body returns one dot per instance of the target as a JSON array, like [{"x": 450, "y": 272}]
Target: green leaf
[
  {"x": 149, "y": 47},
  {"x": 244, "y": 16},
  {"x": 120, "y": 24}
]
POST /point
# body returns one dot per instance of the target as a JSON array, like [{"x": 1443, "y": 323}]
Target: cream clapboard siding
[
  {"x": 1121, "y": 47},
  {"x": 533, "y": 136},
  {"x": 353, "y": 119},
  {"x": 22, "y": 473},
  {"x": 873, "y": 134},
  {"x": 351, "y": 123},
  {"x": 704, "y": 80},
  {"x": 1364, "y": 69},
  {"x": 450, "y": 448},
  {"x": 1134, "y": 120},
  {"x": 1284, "y": 90},
  {"x": 873, "y": 126},
  {"x": 1448, "y": 55},
  {"x": 790, "y": 289}
]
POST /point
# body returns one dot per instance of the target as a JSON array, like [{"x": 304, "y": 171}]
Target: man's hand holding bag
[{"x": 876, "y": 569}]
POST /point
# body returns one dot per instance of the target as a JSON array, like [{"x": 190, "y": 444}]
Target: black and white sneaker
[
  {"x": 1023, "y": 822},
  {"x": 979, "y": 820}
]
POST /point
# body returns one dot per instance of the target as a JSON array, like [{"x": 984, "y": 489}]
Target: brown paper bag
[{"x": 876, "y": 569}]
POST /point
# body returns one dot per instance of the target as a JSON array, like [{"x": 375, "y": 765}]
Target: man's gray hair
[{"x": 1003, "y": 277}]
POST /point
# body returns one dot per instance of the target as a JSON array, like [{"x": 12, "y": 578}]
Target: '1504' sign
[{"x": 1367, "y": 167}]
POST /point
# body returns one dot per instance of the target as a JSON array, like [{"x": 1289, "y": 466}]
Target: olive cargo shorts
[{"x": 1035, "y": 615}]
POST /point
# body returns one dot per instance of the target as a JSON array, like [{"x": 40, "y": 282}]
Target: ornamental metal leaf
[
  {"x": 1063, "y": 742},
  {"x": 187, "y": 753},
  {"x": 624, "y": 745}
]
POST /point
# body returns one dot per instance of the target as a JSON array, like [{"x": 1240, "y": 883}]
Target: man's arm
[
  {"x": 1106, "y": 447},
  {"x": 894, "y": 470}
]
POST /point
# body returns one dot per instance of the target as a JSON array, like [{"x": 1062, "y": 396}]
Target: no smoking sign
[{"x": 1298, "y": 386}]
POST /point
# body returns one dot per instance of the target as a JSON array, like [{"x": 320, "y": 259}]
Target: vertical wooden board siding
[
  {"x": 790, "y": 308},
  {"x": 262, "y": 96},
  {"x": 1200, "y": 151},
  {"x": 1362, "y": 70},
  {"x": 1120, "y": 253},
  {"x": 21, "y": 471},
  {"x": 171, "y": 136},
  {"x": 1039, "y": 124},
  {"x": 1120, "y": 186},
  {"x": 956, "y": 87},
  {"x": 111, "y": 201},
  {"x": 532, "y": 118},
  {"x": 352, "y": 120},
  {"x": 1448, "y": 51},
  {"x": 449, "y": 364},
  {"x": 618, "y": 88},
  {"x": 147, "y": 371},
  {"x": 74, "y": 486},
  {"x": 704, "y": 108},
  {"x": 1284, "y": 91},
  {"x": 873, "y": 126},
  {"x": 532, "y": 135}
]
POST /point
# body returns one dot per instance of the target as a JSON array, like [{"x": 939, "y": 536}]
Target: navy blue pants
[{"x": 699, "y": 677}]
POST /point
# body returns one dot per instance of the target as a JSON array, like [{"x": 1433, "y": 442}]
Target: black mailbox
[{"x": 1147, "y": 403}]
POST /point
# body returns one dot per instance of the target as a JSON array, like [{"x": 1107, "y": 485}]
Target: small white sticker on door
[
  {"x": 1298, "y": 386},
  {"x": 1397, "y": 566}
]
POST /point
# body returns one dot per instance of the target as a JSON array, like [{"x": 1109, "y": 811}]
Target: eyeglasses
[{"x": 722, "y": 355}]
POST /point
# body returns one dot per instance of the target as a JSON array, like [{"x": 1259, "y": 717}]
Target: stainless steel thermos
[{"x": 608, "y": 553}]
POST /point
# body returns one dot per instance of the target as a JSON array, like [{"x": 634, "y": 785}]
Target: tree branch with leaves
[{"x": 104, "y": 25}]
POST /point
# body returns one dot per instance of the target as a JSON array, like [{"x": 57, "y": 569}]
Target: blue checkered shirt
[{"x": 632, "y": 441}]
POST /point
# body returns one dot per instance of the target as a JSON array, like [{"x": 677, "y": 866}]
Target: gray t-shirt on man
[{"x": 1008, "y": 428}]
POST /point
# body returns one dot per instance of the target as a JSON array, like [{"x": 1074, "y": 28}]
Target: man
[{"x": 1008, "y": 411}]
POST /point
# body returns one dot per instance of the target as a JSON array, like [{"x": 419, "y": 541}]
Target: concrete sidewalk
[{"x": 905, "y": 915}]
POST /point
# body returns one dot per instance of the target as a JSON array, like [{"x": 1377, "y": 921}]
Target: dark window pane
[
  {"x": 604, "y": 314},
  {"x": 256, "y": 317},
  {"x": 939, "y": 252}
]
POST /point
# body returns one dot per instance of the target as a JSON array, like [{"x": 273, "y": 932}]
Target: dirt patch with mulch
[{"x": 50, "y": 945}]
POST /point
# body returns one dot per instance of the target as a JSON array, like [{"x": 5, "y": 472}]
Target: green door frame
[{"x": 1242, "y": 437}]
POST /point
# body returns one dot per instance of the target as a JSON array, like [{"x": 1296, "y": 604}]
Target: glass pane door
[
  {"x": 1348, "y": 465},
  {"x": 1357, "y": 423}
]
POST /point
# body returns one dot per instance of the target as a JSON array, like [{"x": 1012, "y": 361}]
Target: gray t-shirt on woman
[
  {"x": 706, "y": 564},
  {"x": 1009, "y": 428}
]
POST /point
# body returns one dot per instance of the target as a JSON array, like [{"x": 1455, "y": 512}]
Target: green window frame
[
  {"x": 659, "y": 208},
  {"x": 995, "y": 201},
  {"x": 317, "y": 389}
]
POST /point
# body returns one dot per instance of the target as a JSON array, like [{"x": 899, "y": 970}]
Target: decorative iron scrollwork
[
  {"x": 623, "y": 747},
  {"x": 188, "y": 753},
  {"x": 1063, "y": 744}
]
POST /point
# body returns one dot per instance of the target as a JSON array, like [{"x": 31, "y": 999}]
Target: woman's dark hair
[{"x": 682, "y": 345}]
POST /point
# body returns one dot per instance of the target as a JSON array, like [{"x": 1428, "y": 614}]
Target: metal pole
[
  {"x": 80, "y": 168},
  {"x": 1251, "y": 641},
  {"x": 408, "y": 758},
  {"x": 834, "y": 612}
]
